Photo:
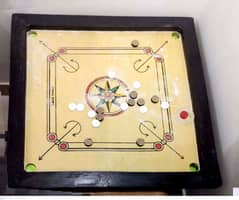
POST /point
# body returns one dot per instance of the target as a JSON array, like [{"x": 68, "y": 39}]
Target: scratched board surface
[{"x": 108, "y": 101}]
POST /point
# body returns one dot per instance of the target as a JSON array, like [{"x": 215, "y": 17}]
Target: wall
[
  {"x": 87, "y": 7},
  {"x": 217, "y": 27}
]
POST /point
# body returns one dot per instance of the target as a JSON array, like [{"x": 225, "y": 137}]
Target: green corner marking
[
  {"x": 32, "y": 33},
  {"x": 30, "y": 167},
  {"x": 193, "y": 167},
  {"x": 176, "y": 35}
]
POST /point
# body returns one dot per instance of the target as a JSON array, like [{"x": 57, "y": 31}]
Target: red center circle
[
  {"x": 62, "y": 51},
  {"x": 158, "y": 146},
  {"x": 63, "y": 146},
  {"x": 52, "y": 137},
  {"x": 148, "y": 50},
  {"x": 168, "y": 137},
  {"x": 51, "y": 58},
  {"x": 184, "y": 114}
]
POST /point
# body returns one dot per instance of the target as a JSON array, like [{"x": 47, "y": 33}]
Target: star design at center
[{"x": 108, "y": 95}]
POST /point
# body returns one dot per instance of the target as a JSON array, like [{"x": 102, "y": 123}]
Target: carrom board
[{"x": 108, "y": 100}]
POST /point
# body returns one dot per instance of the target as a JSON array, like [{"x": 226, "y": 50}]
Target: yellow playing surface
[{"x": 74, "y": 76}]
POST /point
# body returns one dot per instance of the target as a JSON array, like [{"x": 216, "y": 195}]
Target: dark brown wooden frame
[{"x": 207, "y": 177}]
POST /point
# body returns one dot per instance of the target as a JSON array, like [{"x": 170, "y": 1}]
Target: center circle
[{"x": 108, "y": 93}]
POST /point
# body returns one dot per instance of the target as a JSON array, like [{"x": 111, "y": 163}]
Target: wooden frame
[{"x": 207, "y": 177}]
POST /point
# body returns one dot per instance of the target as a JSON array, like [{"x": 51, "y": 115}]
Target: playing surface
[{"x": 108, "y": 101}]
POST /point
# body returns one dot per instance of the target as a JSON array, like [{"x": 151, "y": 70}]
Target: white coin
[
  {"x": 124, "y": 106},
  {"x": 136, "y": 84},
  {"x": 95, "y": 123},
  {"x": 143, "y": 109},
  {"x": 72, "y": 106},
  {"x": 80, "y": 107},
  {"x": 165, "y": 104},
  {"x": 91, "y": 114},
  {"x": 111, "y": 74}
]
